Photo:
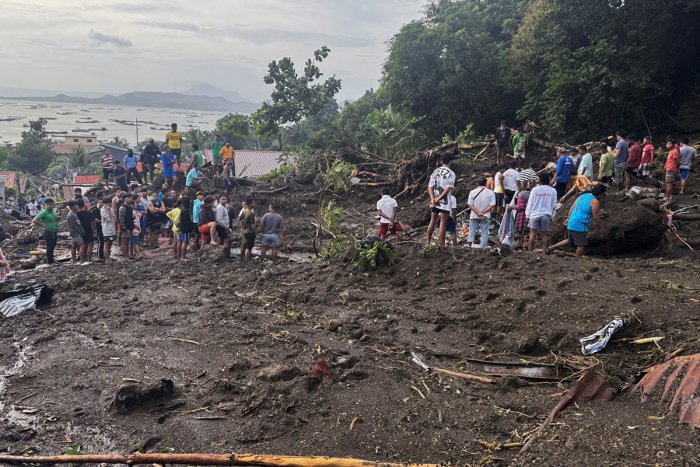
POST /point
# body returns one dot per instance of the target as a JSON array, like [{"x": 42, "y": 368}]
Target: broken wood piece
[
  {"x": 204, "y": 459},
  {"x": 589, "y": 387},
  {"x": 522, "y": 370},
  {"x": 466, "y": 376},
  {"x": 647, "y": 340},
  {"x": 498, "y": 446},
  {"x": 186, "y": 341}
]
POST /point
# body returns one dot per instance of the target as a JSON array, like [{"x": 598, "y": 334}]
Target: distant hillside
[
  {"x": 204, "y": 89},
  {"x": 170, "y": 100}
]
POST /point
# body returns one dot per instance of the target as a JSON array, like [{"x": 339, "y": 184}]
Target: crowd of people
[{"x": 523, "y": 201}]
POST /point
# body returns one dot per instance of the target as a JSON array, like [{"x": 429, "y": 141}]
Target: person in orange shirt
[
  {"x": 672, "y": 167},
  {"x": 227, "y": 153}
]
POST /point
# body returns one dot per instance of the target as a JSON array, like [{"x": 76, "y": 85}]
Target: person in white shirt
[
  {"x": 481, "y": 202},
  {"x": 442, "y": 181},
  {"x": 585, "y": 167},
  {"x": 540, "y": 211},
  {"x": 386, "y": 210},
  {"x": 510, "y": 182},
  {"x": 451, "y": 227}
]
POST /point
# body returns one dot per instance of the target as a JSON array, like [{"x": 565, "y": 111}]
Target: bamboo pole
[{"x": 204, "y": 459}]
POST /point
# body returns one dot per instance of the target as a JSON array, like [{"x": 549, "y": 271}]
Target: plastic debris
[
  {"x": 16, "y": 301},
  {"x": 597, "y": 342}
]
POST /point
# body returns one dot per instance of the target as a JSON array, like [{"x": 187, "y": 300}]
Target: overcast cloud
[{"x": 120, "y": 46}]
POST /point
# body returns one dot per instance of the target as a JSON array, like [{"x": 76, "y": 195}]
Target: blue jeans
[{"x": 481, "y": 225}]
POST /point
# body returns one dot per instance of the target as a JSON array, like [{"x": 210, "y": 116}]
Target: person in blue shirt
[
  {"x": 130, "y": 161},
  {"x": 564, "y": 167},
  {"x": 584, "y": 210},
  {"x": 120, "y": 176},
  {"x": 167, "y": 161},
  {"x": 193, "y": 177}
]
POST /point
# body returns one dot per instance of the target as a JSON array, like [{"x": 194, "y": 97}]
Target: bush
[
  {"x": 283, "y": 170},
  {"x": 338, "y": 176},
  {"x": 372, "y": 257}
]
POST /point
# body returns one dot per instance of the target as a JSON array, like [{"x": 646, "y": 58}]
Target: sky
[{"x": 121, "y": 46}]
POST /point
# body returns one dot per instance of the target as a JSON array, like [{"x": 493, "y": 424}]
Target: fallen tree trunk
[
  {"x": 686, "y": 217},
  {"x": 203, "y": 459}
]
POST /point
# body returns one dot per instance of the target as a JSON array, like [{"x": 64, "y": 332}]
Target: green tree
[
  {"x": 294, "y": 97},
  {"x": 77, "y": 161},
  {"x": 121, "y": 142},
  {"x": 592, "y": 67},
  {"x": 448, "y": 68},
  {"x": 235, "y": 128},
  {"x": 33, "y": 154}
]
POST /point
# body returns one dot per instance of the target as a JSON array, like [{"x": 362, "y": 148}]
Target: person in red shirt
[
  {"x": 672, "y": 167},
  {"x": 647, "y": 159},
  {"x": 634, "y": 160}
]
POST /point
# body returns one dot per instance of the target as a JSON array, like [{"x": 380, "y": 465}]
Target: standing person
[
  {"x": 175, "y": 217},
  {"x": 622, "y": 150},
  {"x": 521, "y": 219},
  {"x": 582, "y": 212},
  {"x": 216, "y": 154},
  {"x": 207, "y": 222},
  {"x": 519, "y": 146},
  {"x": 672, "y": 167},
  {"x": 442, "y": 182},
  {"x": 47, "y": 220},
  {"x": 108, "y": 220},
  {"x": 87, "y": 221},
  {"x": 246, "y": 220},
  {"x": 585, "y": 167},
  {"x": 223, "y": 223},
  {"x": 498, "y": 190},
  {"x": 196, "y": 207},
  {"x": 97, "y": 220},
  {"x": 150, "y": 156},
  {"x": 687, "y": 153},
  {"x": 451, "y": 227},
  {"x": 230, "y": 178},
  {"x": 387, "y": 207},
  {"x": 22, "y": 204},
  {"x": 120, "y": 176},
  {"x": 227, "y": 153},
  {"x": 75, "y": 229},
  {"x": 197, "y": 157},
  {"x": 167, "y": 161},
  {"x": 510, "y": 182},
  {"x": 134, "y": 244},
  {"x": 634, "y": 160},
  {"x": 272, "y": 232},
  {"x": 528, "y": 177},
  {"x": 173, "y": 139},
  {"x": 126, "y": 224},
  {"x": 502, "y": 139},
  {"x": 33, "y": 208},
  {"x": 154, "y": 218},
  {"x": 107, "y": 163},
  {"x": 540, "y": 212},
  {"x": 130, "y": 161},
  {"x": 564, "y": 168},
  {"x": 606, "y": 165},
  {"x": 481, "y": 201},
  {"x": 186, "y": 227},
  {"x": 647, "y": 159}
]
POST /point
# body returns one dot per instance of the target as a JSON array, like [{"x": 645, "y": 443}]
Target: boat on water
[
  {"x": 87, "y": 120},
  {"x": 65, "y": 113},
  {"x": 9, "y": 119},
  {"x": 163, "y": 128}
]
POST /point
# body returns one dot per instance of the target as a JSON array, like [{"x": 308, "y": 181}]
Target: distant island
[{"x": 170, "y": 100}]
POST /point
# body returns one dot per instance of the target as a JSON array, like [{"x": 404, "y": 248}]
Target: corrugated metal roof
[
  {"x": 250, "y": 163},
  {"x": 10, "y": 178}
]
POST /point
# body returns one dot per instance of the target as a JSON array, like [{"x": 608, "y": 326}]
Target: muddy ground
[{"x": 241, "y": 344}]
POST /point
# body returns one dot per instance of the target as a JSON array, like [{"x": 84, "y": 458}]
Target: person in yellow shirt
[
  {"x": 174, "y": 216},
  {"x": 227, "y": 153},
  {"x": 173, "y": 139}
]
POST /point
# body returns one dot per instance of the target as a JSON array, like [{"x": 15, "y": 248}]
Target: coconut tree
[{"x": 78, "y": 161}]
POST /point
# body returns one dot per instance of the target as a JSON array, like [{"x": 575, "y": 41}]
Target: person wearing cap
[
  {"x": 173, "y": 139},
  {"x": 47, "y": 220}
]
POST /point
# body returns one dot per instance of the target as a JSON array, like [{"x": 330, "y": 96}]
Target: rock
[
  {"x": 650, "y": 203},
  {"x": 528, "y": 343},
  {"x": 355, "y": 375},
  {"x": 334, "y": 325},
  {"x": 305, "y": 179},
  {"x": 278, "y": 373},
  {"x": 346, "y": 361},
  {"x": 133, "y": 396},
  {"x": 239, "y": 365}
]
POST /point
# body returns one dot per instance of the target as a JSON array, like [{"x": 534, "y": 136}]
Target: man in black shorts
[
  {"x": 154, "y": 213},
  {"x": 87, "y": 221},
  {"x": 247, "y": 221}
]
